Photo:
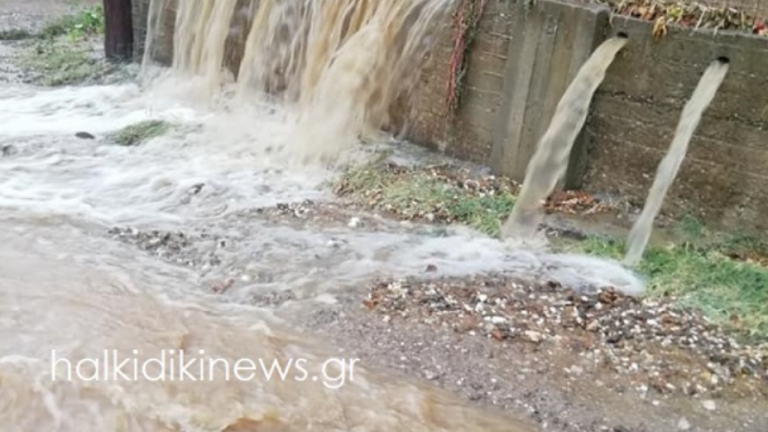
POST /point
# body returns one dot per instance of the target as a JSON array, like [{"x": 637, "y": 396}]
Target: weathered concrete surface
[
  {"x": 634, "y": 113},
  {"x": 470, "y": 133},
  {"x": 553, "y": 40},
  {"x": 523, "y": 59},
  {"x": 637, "y": 108}
]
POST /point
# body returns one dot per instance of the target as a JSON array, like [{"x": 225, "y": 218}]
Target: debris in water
[
  {"x": 222, "y": 287},
  {"x": 273, "y": 298},
  {"x": 8, "y": 150}
]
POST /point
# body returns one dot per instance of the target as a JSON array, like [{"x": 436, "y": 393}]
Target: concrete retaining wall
[
  {"x": 525, "y": 55},
  {"x": 636, "y": 111}
]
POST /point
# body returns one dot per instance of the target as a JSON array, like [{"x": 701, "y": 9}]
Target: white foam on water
[
  {"x": 54, "y": 172},
  {"x": 232, "y": 154}
]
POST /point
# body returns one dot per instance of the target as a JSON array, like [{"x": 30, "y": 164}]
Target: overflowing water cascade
[
  {"x": 342, "y": 62},
  {"x": 668, "y": 168}
]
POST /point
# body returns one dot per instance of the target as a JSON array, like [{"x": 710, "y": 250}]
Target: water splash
[
  {"x": 551, "y": 158},
  {"x": 311, "y": 52},
  {"x": 689, "y": 120}
]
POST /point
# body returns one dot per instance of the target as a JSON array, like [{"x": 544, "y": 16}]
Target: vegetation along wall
[{"x": 521, "y": 56}]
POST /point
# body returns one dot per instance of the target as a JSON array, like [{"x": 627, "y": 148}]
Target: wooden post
[{"x": 118, "y": 30}]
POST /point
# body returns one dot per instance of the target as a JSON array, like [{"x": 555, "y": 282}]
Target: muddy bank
[{"x": 560, "y": 387}]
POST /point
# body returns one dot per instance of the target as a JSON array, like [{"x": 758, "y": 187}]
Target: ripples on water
[{"x": 67, "y": 286}]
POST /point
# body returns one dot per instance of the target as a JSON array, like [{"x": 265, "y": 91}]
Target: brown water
[
  {"x": 58, "y": 309},
  {"x": 71, "y": 292},
  {"x": 343, "y": 62},
  {"x": 550, "y": 161},
  {"x": 689, "y": 120}
]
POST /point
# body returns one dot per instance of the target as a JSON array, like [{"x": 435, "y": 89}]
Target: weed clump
[{"x": 141, "y": 132}]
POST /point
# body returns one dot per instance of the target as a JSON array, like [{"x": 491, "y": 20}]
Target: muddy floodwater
[{"x": 73, "y": 292}]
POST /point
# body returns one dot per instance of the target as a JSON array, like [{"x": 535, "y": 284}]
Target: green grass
[
  {"x": 85, "y": 21},
  {"x": 60, "y": 54},
  {"x": 141, "y": 132},
  {"x": 15, "y": 35},
  {"x": 421, "y": 196},
  {"x": 698, "y": 270},
  {"x": 57, "y": 62},
  {"x": 730, "y": 292}
]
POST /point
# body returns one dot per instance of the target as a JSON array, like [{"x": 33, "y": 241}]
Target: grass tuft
[
  {"x": 61, "y": 54},
  {"x": 15, "y": 35},
  {"x": 55, "y": 62},
  {"x": 141, "y": 132},
  {"x": 87, "y": 21},
  {"x": 427, "y": 196}
]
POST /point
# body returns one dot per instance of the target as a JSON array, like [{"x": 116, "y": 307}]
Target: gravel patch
[{"x": 643, "y": 341}]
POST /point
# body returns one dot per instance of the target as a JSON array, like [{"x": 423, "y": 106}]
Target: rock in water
[{"x": 84, "y": 135}]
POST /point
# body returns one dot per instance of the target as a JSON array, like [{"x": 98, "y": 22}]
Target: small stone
[
  {"x": 431, "y": 268},
  {"x": 684, "y": 424},
  {"x": 84, "y": 135},
  {"x": 533, "y": 336},
  {"x": 709, "y": 405},
  {"x": 7, "y": 150},
  {"x": 354, "y": 222}
]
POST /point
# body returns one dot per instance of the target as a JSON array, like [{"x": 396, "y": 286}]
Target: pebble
[
  {"x": 534, "y": 336},
  {"x": 683, "y": 424},
  {"x": 709, "y": 405}
]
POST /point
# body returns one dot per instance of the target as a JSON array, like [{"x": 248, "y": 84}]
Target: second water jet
[{"x": 689, "y": 120}]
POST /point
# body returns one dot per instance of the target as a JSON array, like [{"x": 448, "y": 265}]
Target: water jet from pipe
[
  {"x": 550, "y": 161},
  {"x": 689, "y": 120}
]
